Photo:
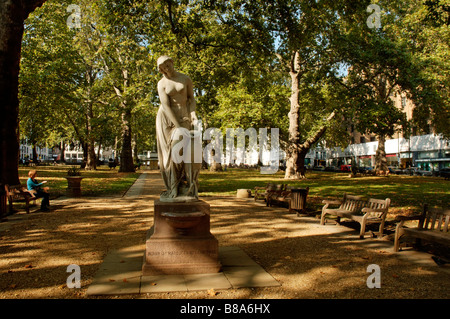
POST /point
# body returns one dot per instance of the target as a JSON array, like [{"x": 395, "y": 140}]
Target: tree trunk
[
  {"x": 116, "y": 142},
  {"x": 91, "y": 162},
  {"x": 99, "y": 148},
  {"x": 296, "y": 152},
  {"x": 296, "y": 160},
  {"x": 80, "y": 138},
  {"x": 293, "y": 164},
  {"x": 215, "y": 166},
  {"x": 135, "y": 148},
  {"x": 204, "y": 164},
  {"x": 85, "y": 148},
  {"x": 12, "y": 16},
  {"x": 63, "y": 152},
  {"x": 293, "y": 161},
  {"x": 126, "y": 154},
  {"x": 380, "y": 156},
  {"x": 34, "y": 152}
]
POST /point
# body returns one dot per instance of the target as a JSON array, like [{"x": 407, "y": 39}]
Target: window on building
[
  {"x": 362, "y": 139},
  {"x": 373, "y": 139}
]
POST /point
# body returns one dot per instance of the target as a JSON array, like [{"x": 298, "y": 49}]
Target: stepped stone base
[{"x": 181, "y": 242}]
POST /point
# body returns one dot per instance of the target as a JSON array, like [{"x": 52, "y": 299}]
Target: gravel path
[{"x": 309, "y": 260}]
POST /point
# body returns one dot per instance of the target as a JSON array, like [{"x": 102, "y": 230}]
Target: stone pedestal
[{"x": 181, "y": 242}]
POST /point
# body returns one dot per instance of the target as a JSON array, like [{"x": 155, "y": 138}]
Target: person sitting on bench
[{"x": 39, "y": 191}]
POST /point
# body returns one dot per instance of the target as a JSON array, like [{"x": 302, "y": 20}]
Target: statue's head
[{"x": 165, "y": 65}]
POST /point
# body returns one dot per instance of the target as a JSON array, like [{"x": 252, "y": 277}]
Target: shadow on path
[{"x": 308, "y": 260}]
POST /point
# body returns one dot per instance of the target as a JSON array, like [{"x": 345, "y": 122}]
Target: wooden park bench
[
  {"x": 260, "y": 191},
  {"x": 280, "y": 195},
  {"x": 269, "y": 190},
  {"x": 112, "y": 164},
  {"x": 19, "y": 193},
  {"x": 432, "y": 226},
  {"x": 295, "y": 197},
  {"x": 371, "y": 211}
]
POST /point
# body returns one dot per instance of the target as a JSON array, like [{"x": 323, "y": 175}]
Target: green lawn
[
  {"x": 100, "y": 182},
  {"x": 407, "y": 193}
]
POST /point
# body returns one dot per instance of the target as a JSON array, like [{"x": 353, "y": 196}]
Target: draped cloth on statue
[
  {"x": 180, "y": 178},
  {"x": 175, "y": 119}
]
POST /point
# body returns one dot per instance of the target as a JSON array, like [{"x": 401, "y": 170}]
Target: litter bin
[{"x": 298, "y": 199}]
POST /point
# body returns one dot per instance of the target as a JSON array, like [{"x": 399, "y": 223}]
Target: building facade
[
  {"x": 72, "y": 153},
  {"x": 429, "y": 152},
  {"x": 26, "y": 152}
]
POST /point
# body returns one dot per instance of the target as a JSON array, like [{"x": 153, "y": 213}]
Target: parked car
[
  {"x": 346, "y": 168},
  {"x": 423, "y": 172},
  {"x": 444, "y": 172},
  {"x": 319, "y": 168},
  {"x": 395, "y": 170},
  {"x": 411, "y": 171},
  {"x": 417, "y": 171}
]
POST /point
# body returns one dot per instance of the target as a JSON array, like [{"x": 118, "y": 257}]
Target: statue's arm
[
  {"x": 191, "y": 103},
  {"x": 165, "y": 104}
]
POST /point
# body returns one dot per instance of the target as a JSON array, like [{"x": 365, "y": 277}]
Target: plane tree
[
  {"x": 12, "y": 17},
  {"x": 404, "y": 56}
]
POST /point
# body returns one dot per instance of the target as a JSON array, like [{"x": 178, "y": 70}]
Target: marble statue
[{"x": 176, "y": 113}]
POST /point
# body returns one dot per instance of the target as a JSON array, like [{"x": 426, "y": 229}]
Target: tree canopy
[{"x": 306, "y": 67}]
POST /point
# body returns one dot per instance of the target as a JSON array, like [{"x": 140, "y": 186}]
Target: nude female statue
[{"x": 177, "y": 111}]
